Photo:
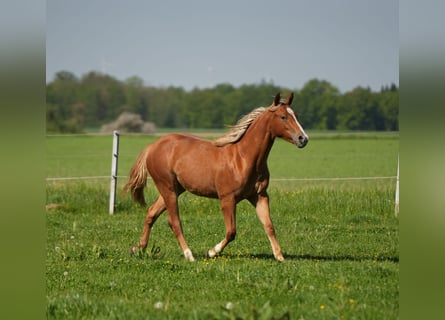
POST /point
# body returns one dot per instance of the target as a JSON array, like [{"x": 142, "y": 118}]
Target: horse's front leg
[
  {"x": 261, "y": 204},
  {"x": 228, "y": 207}
]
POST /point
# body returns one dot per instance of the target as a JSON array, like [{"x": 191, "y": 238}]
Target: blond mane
[{"x": 239, "y": 129}]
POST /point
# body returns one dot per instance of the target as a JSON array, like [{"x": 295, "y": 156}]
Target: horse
[{"x": 231, "y": 168}]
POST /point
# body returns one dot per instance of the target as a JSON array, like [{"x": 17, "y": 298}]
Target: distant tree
[
  {"x": 135, "y": 98},
  {"x": 135, "y": 82},
  {"x": 318, "y": 104},
  {"x": 64, "y": 113},
  {"x": 393, "y": 87},
  {"x": 359, "y": 110},
  {"x": 56, "y": 123},
  {"x": 65, "y": 76},
  {"x": 389, "y": 105},
  {"x": 74, "y": 104},
  {"x": 103, "y": 97}
]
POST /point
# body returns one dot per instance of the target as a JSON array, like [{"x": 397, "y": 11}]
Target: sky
[{"x": 202, "y": 43}]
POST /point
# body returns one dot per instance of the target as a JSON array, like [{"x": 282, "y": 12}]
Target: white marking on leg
[
  {"x": 218, "y": 247},
  {"x": 280, "y": 258},
  {"x": 214, "y": 251},
  {"x": 188, "y": 255},
  {"x": 211, "y": 253}
]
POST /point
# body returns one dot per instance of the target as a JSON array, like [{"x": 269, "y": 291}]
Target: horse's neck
[{"x": 257, "y": 142}]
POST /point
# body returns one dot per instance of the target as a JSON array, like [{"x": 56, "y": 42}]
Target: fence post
[
  {"x": 396, "y": 208},
  {"x": 114, "y": 159}
]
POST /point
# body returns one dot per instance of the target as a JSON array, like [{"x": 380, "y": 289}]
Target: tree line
[{"x": 78, "y": 104}]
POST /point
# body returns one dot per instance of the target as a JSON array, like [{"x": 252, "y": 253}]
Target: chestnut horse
[{"x": 232, "y": 168}]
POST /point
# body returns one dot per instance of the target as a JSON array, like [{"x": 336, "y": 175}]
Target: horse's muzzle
[{"x": 302, "y": 141}]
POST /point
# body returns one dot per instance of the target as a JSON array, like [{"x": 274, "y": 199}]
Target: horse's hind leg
[
  {"x": 153, "y": 212},
  {"x": 171, "y": 201}
]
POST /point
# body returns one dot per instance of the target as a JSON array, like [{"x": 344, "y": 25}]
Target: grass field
[{"x": 340, "y": 239}]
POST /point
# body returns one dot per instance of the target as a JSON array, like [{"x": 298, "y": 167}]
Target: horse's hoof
[
  {"x": 211, "y": 253},
  {"x": 188, "y": 255},
  {"x": 133, "y": 251}
]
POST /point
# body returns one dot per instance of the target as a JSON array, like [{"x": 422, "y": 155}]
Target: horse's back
[
  {"x": 185, "y": 159},
  {"x": 183, "y": 144}
]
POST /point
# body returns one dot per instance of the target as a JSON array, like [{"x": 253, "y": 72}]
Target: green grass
[
  {"x": 326, "y": 155},
  {"x": 340, "y": 239}
]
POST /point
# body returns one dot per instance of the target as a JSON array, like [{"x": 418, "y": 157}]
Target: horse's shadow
[{"x": 312, "y": 257}]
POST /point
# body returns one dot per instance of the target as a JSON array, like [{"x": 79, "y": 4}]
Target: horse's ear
[
  {"x": 289, "y": 99},
  {"x": 276, "y": 100}
]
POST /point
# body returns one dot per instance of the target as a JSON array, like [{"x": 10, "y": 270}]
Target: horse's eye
[{"x": 283, "y": 117}]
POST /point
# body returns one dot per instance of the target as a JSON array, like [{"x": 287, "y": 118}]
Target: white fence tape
[
  {"x": 276, "y": 179},
  {"x": 114, "y": 176},
  {"x": 78, "y": 178}
]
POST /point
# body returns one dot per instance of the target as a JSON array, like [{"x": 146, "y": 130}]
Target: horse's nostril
[{"x": 302, "y": 139}]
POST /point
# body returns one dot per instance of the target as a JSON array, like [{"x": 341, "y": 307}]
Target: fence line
[
  {"x": 272, "y": 179},
  {"x": 78, "y": 178},
  {"x": 114, "y": 176},
  {"x": 333, "y": 179},
  {"x": 81, "y": 178}
]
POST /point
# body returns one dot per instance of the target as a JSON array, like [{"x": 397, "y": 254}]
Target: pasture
[{"x": 339, "y": 237}]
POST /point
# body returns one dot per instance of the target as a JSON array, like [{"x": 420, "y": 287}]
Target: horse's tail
[{"x": 138, "y": 178}]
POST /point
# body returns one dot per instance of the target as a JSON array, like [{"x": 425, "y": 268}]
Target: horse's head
[{"x": 285, "y": 122}]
